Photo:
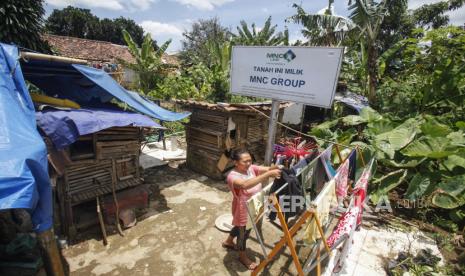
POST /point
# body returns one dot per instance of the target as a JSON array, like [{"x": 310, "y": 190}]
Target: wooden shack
[
  {"x": 95, "y": 165},
  {"x": 215, "y": 129}
]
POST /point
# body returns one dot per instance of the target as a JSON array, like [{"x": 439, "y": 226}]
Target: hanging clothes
[
  {"x": 325, "y": 158},
  {"x": 346, "y": 230},
  {"x": 352, "y": 165},
  {"x": 314, "y": 176},
  {"x": 360, "y": 189},
  {"x": 341, "y": 179},
  {"x": 257, "y": 203},
  {"x": 325, "y": 201},
  {"x": 297, "y": 168},
  {"x": 293, "y": 188},
  {"x": 306, "y": 176},
  {"x": 344, "y": 226}
]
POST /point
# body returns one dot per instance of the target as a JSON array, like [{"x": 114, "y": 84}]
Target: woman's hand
[{"x": 275, "y": 173}]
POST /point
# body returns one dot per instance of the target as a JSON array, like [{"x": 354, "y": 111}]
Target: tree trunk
[{"x": 372, "y": 69}]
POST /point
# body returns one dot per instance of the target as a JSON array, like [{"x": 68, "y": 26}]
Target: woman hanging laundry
[{"x": 244, "y": 181}]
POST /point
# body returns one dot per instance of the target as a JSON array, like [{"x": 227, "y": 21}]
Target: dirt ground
[{"x": 176, "y": 235}]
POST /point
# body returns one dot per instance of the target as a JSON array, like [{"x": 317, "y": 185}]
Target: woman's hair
[{"x": 236, "y": 154}]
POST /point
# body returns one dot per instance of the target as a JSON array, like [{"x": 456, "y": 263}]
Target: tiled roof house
[{"x": 98, "y": 52}]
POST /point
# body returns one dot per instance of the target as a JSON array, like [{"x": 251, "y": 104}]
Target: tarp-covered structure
[
  {"x": 64, "y": 127},
  {"x": 89, "y": 87},
  {"x": 352, "y": 100},
  {"x": 24, "y": 179}
]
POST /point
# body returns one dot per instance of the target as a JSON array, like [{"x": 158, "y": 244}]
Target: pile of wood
[
  {"x": 216, "y": 129},
  {"x": 95, "y": 165}
]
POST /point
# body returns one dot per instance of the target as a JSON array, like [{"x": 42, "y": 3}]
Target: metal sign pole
[{"x": 272, "y": 132}]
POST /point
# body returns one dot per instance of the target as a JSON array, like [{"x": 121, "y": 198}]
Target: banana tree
[
  {"x": 148, "y": 61},
  {"x": 323, "y": 28},
  {"x": 264, "y": 36},
  {"x": 368, "y": 15},
  {"x": 221, "y": 56}
]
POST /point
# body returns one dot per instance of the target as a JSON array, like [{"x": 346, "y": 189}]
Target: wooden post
[
  {"x": 101, "y": 222},
  {"x": 115, "y": 199},
  {"x": 271, "y": 132},
  {"x": 52, "y": 255}
]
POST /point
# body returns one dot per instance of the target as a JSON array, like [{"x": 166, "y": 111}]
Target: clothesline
[{"x": 301, "y": 133}]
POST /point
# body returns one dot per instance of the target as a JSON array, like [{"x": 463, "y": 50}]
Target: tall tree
[
  {"x": 194, "y": 45},
  {"x": 21, "y": 23},
  {"x": 75, "y": 22},
  {"x": 136, "y": 31},
  {"x": 264, "y": 36},
  {"x": 149, "y": 64},
  {"x": 78, "y": 22},
  {"x": 324, "y": 28},
  {"x": 397, "y": 25},
  {"x": 433, "y": 15}
]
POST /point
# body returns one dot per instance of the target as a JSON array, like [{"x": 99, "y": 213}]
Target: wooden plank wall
[{"x": 206, "y": 138}]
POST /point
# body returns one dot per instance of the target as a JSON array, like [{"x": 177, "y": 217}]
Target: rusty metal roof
[{"x": 231, "y": 107}]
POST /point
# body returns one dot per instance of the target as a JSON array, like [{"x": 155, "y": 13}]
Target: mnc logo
[{"x": 288, "y": 56}]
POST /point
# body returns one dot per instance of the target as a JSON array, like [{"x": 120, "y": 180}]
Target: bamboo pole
[{"x": 38, "y": 56}]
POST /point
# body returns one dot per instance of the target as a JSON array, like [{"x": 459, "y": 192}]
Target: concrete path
[{"x": 177, "y": 236}]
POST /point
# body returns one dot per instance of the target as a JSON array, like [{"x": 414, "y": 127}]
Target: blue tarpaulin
[
  {"x": 133, "y": 99},
  {"x": 89, "y": 87},
  {"x": 24, "y": 180},
  {"x": 354, "y": 101},
  {"x": 64, "y": 127}
]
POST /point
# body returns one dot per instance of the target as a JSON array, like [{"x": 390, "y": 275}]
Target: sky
[{"x": 168, "y": 19}]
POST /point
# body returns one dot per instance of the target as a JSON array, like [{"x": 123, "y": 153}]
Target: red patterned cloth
[
  {"x": 344, "y": 226},
  {"x": 342, "y": 177},
  {"x": 360, "y": 191}
]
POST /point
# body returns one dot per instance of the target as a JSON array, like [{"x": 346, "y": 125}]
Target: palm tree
[
  {"x": 368, "y": 15},
  {"x": 323, "y": 28},
  {"x": 148, "y": 61},
  {"x": 264, "y": 36}
]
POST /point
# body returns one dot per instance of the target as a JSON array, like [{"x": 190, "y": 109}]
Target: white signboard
[{"x": 305, "y": 75}]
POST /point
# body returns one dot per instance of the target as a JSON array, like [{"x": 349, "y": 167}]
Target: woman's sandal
[{"x": 230, "y": 247}]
